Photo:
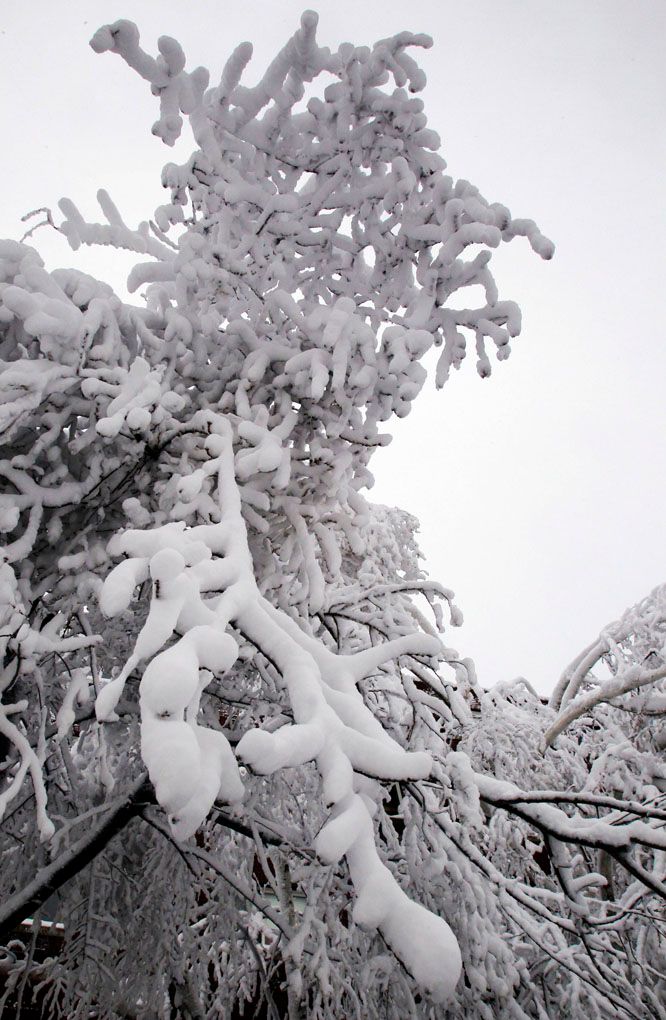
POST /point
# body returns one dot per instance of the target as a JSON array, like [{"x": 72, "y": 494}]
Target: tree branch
[
  {"x": 631, "y": 680},
  {"x": 73, "y": 860}
]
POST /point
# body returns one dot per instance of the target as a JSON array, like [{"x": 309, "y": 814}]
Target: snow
[
  {"x": 78, "y": 693},
  {"x": 219, "y": 778},
  {"x": 170, "y": 682},
  {"x": 422, "y": 941},
  {"x": 118, "y": 588},
  {"x": 172, "y": 755},
  {"x": 340, "y": 831}
]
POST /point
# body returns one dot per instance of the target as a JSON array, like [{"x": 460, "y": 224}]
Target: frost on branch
[{"x": 337, "y": 820}]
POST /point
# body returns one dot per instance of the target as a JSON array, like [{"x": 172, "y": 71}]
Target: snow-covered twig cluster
[{"x": 627, "y": 656}]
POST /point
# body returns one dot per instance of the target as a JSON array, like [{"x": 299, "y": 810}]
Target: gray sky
[{"x": 541, "y": 490}]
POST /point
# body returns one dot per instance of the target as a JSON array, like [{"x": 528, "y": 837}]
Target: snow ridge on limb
[{"x": 332, "y": 724}]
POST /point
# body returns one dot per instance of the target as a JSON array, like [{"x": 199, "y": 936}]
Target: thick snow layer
[
  {"x": 172, "y": 755},
  {"x": 119, "y": 585},
  {"x": 219, "y": 778},
  {"x": 422, "y": 941}
]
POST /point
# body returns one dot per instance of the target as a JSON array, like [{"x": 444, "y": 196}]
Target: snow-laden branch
[
  {"x": 592, "y": 832},
  {"x": 29, "y": 762},
  {"x": 631, "y": 650},
  {"x": 52, "y": 877},
  {"x": 632, "y": 679},
  {"x": 638, "y": 634},
  {"x": 191, "y": 766}
]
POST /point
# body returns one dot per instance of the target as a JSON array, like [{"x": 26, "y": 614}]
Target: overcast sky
[{"x": 541, "y": 490}]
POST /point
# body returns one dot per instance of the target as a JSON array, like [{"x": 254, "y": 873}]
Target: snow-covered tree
[{"x": 240, "y": 766}]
